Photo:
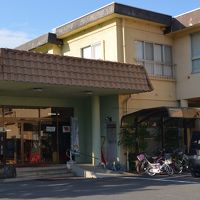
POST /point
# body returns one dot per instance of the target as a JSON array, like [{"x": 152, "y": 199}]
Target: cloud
[{"x": 12, "y": 39}]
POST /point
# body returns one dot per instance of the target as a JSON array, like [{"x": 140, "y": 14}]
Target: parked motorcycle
[
  {"x": 161, "y": 165},
  {"x": 180, "y": 162}
]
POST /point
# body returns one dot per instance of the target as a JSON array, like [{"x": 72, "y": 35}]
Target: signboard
[
  {"x": 50, "y": 129},
  {"x": 66, "y": 129}
]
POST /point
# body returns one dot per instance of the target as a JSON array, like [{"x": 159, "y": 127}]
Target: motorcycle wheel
[
  {"x": 150, "y": 172},
  {"x": 178, "y": 168},
  {"x": 169, "y": 170},
  {"x": 186, "y": 166},
  {"x": 195, "y": 174}
]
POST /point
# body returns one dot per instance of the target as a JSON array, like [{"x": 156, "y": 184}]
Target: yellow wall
[
  {"x": 117, "y": 37},
  {"x": 187, "y": 83},
  {"x": 164, "y": 93},
  {"x": 140, "y": 30},
  {"x": 104, "y": 33},
  {"x": 48, "y": 48}
]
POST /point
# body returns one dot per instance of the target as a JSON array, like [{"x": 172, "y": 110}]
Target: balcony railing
[{"x": 158, "y": 69}]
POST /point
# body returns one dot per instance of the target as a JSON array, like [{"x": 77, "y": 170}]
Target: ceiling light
[
  {"x": 37, "y": 89},
  {"x": 54, "y": 114},
  {"x": 88, "y": 92}
]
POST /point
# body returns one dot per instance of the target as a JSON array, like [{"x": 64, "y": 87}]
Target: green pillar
[{"x": 96, "y": 136}]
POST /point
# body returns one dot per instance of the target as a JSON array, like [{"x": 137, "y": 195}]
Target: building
[
  {"x": 48, "y": 101},
  {"x": 166, "y": 46}
]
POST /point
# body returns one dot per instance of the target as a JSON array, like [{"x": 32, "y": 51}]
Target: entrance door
[
  {"x": 64, "y": 140},
  {"x": 36, "y": 135},
  {"x": 30, "y": 142}
]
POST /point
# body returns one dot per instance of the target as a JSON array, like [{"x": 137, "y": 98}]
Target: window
[
  {"x": 195, "y": 46},
  {"x": 92, "y": 51},
  {"x": 86, "y": 52},
  {"x": 157, "y": 58}
]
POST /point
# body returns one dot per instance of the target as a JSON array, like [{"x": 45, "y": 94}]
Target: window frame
[
  {"x": 92, "y": 51},
  {"x": 151, "y": 69},
  {"x": 194, "y": 57}
]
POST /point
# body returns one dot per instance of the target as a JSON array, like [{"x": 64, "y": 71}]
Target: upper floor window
[
  {"x": 92, "y": 51},
  {"x": 195, "y": 45},
  {"x": 157, "y": 58}
]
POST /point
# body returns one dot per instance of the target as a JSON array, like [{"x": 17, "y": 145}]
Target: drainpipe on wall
[
  {"x": 129, "y": 96},
  {"x": 126, "y": 102},
  {"x": 126, "y": 108},
  {"x": 123, "y": 40}
]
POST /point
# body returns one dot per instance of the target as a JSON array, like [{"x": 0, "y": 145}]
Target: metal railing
[{"x": 158, "y": 69}]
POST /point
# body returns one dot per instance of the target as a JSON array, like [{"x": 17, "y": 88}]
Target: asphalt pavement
[{"x": 177, "y": 187}]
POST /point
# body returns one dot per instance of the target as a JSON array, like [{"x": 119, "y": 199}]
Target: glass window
[
  {"x": 196, "y": 65},
  {"x": 139, "y": 50},
  {"x": 149, "y": 67},
  {"x": 86, "y": 52},
  {"x": 158, "y": 53},
  {"x": 168, "y": 71},
  {"x": 92, "y": 51},
  {"x": 195, "y": 46},
  {"x": 36, "y": 135},
  {"x": 167, "y": 55},
  {"x": 148, "y": 51},
  {"x": 157, "y": 58},
  {"x": 96, "y": 51}
]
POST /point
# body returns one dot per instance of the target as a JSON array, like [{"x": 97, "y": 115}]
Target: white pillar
[{"x": 96, "y": 136}]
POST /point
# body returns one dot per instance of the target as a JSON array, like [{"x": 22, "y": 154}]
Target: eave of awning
[
  {"x": 70, "y": 72},
  {"x": 164, "y": 112}
]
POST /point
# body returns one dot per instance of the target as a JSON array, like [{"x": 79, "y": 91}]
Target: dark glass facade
[{"x": 35, "y": 135}]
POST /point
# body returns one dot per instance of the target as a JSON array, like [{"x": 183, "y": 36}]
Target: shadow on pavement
[{"x": 72, "y": 188}]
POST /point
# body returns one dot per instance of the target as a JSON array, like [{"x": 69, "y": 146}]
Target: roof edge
[
  {"x": 114, "y": 8},
  {"x": 50, "y": 38},
  {"x": 143, "y": 14},
  {"x": 72, "y": 71},
  {"x": 184, "y": 21}
]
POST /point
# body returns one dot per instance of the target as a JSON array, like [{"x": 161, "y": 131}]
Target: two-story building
[{"x": 168, "y": 47}]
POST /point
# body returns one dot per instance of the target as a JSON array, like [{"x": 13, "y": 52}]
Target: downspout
[
  {"x": 129, "y": 96},
  {"x": 126, "y": 110},
  {"x": 123, "y": 40}
]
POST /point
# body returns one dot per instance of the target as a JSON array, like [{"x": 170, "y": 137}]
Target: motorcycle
[
  {"x": 161, "y": 165},
  {"x": 180, "y": 162}
]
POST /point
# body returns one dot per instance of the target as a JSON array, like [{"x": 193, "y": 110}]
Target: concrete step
[
  {"x": 89, "y": 171},
  {"x": 38, "y": 172}
]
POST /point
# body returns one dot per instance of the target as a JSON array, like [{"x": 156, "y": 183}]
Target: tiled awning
[{"x": 23, "y": 66}]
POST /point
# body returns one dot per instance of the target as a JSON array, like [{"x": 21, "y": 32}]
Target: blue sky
[{"x": 23, "y": 20}]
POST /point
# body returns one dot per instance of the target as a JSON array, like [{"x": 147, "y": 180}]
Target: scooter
[{"x": 161, "y": 165}]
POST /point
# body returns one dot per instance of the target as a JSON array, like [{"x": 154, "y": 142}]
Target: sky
[{"x": 23, "y": 20}]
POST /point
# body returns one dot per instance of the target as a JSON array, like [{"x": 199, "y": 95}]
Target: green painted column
[{"x": 96, "y": 135}]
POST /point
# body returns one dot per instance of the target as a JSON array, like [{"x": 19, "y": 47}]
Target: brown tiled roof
[
  {"x": 184, "y": 21},
  {"x": 23, "y": 66}
]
